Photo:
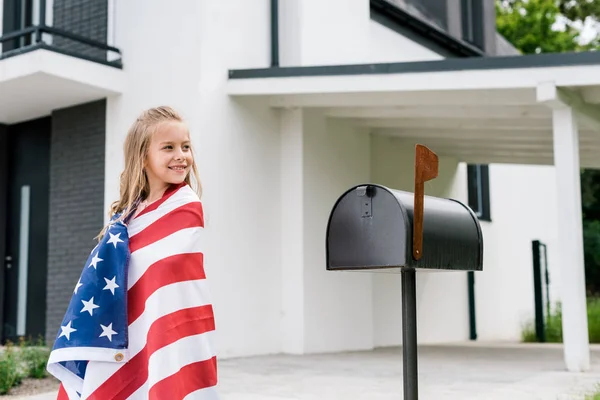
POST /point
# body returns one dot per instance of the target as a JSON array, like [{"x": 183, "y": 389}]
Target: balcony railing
[{"x": 61, "y": 41}]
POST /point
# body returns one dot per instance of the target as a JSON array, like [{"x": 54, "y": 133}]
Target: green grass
[{"x": 553, "y": 326}]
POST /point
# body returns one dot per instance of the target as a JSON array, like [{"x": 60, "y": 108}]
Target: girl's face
[{"x": 169, "y": 157}]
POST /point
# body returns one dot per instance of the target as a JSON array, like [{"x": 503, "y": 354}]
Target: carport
[{"x": 536, "y": 109}]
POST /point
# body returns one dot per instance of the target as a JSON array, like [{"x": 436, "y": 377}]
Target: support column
[
  {"x": 570, "y": 228},
  {"x": 292, "y": 232},
  {"x": 574, "y": 307}
]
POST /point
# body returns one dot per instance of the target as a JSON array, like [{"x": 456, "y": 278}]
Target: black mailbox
[
  {"x": 373, "y": 228},
  {"x": 370, "y": 227}
]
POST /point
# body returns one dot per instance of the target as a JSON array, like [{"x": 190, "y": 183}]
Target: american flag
[{"x": 140, "y": 323}]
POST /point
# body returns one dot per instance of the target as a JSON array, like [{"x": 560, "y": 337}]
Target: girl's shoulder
[{"x": 185, "y": 192}]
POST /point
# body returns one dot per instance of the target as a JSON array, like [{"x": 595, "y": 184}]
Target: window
[
  {"x": 478, "y": 181},
  {"x": 473, "y": 22},
  {"x": 433, "y": 11}
]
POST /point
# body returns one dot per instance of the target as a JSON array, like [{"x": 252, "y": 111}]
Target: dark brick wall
[
  {"x": 76, "y": 201},
  {"x": 87, "y": 18}
]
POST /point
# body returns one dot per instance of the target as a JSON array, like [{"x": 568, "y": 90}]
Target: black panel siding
[
  {"x": 76, "y": 201},
  {"x": 88, "y": 18}
]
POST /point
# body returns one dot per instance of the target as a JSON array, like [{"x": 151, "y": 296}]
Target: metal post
[
  {"x": 547, "y": 275},
  {"x": 537, "y": 292},
  {"x": 274, "y": 33},
  {"x": 409, "y": 334},
  {"x": 42, "y": 22},
  {"x": 472, "y": 315}
]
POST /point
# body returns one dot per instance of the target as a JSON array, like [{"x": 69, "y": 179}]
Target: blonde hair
[{"x": 134, "y": 184}]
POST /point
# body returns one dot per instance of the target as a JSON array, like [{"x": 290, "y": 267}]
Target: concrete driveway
[{"x": 465, "y": 371}]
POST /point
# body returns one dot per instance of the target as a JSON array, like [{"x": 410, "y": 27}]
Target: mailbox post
[{"x": 372, "y": 227}]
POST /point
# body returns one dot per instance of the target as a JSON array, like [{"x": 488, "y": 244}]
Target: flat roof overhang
[
  {"x": 36, "y": 82},
  {"x": 479, "y": 110}
]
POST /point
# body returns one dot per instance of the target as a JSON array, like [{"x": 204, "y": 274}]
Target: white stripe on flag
[
  {"x": 203, "y": 394},
  {"x": 188, "y": 240},
  {"x": 170, "y": 359},
  {"x": 183, "y": 196},
  {"x": 85, "y": 353}
]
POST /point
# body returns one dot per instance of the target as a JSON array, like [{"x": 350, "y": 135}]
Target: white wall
[
  {"x": 442, "y": 299},
  {"x": 322, "y": 311},
  {"x": 338, "y": 305},
  {"x": 523, "y": 208},
  {"x": 181, "y": 59},
  {"x": 316, "y": 32},
  {"x": 386, "y": 45}
]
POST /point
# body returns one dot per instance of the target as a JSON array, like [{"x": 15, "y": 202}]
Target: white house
[{"x": 290, "y": 103}]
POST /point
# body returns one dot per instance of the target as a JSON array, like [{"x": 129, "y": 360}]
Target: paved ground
[{"x": 445, "y": 372}]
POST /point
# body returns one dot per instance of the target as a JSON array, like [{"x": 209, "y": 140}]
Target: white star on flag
[
  {"x": 67, "y": 330},
  {"x": 111, "y": 284},
  {"x": 89, "y": 306},
  {"x": 79, "y": 284},
  {"x": 95, "y": 261},
  {"x": 107, "y": 331},
  {"x": 114, "y": 239}
]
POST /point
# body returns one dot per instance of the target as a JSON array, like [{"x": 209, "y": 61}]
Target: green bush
[
  {"x": 595, "y": 396},
  {"x": 594, "y": 319},
  {"x": 33, "y": 358},
  {"x": 553, "y": 324},
  {"x": 27, "y": 361},
  {"x": 9, "y": 369}
]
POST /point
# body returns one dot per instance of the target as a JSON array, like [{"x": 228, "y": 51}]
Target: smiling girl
[
  {"x": 148, "y": 273},
  {"x": 158, "y": 154}
]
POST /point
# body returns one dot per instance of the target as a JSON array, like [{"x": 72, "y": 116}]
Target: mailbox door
[{"x": 367, "y": 230}]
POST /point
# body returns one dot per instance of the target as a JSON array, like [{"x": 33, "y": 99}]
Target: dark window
[
  {"x": 473, "y": 22},
  {"x": 433, "y": 11},
  {"x": 18, "y": 15},
  {"x": 478, "y": 180}
]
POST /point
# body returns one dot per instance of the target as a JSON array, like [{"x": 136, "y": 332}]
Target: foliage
[
  {"x": 573, "y": 10},
  {"x": 553, "y": 324},
  {"x": 9, "y": 373},
  {"x": 591, "y": 240},
  {"x": 590, "y": 199},
  {"x": 34, "y": 358},
  {"x": 580, "y": 9},
  {"x": 595, "y": 396},
  {"x": 528, "y": 25},
  {"x": 28, "y": 360}
]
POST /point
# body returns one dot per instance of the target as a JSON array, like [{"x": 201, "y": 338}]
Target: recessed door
[{"x": 26, "y": 250}]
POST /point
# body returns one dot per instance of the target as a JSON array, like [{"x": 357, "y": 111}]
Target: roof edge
[{"x": 450, "y": 64}]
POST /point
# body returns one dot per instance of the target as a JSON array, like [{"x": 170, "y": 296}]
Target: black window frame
[
  {"x": 478, "y": 184},
  {"x": 473, "y": 22}
]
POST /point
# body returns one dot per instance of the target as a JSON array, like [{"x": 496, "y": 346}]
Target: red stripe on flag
[
  {"x": 62, "y": 393},
  {"x": 188, "y": 379},
  {"x": 189, "y": 215},
  {"x": 164, "y": 331},
  {"x": 171, "y": 190},
  {"x": 177, "y": 268}
]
